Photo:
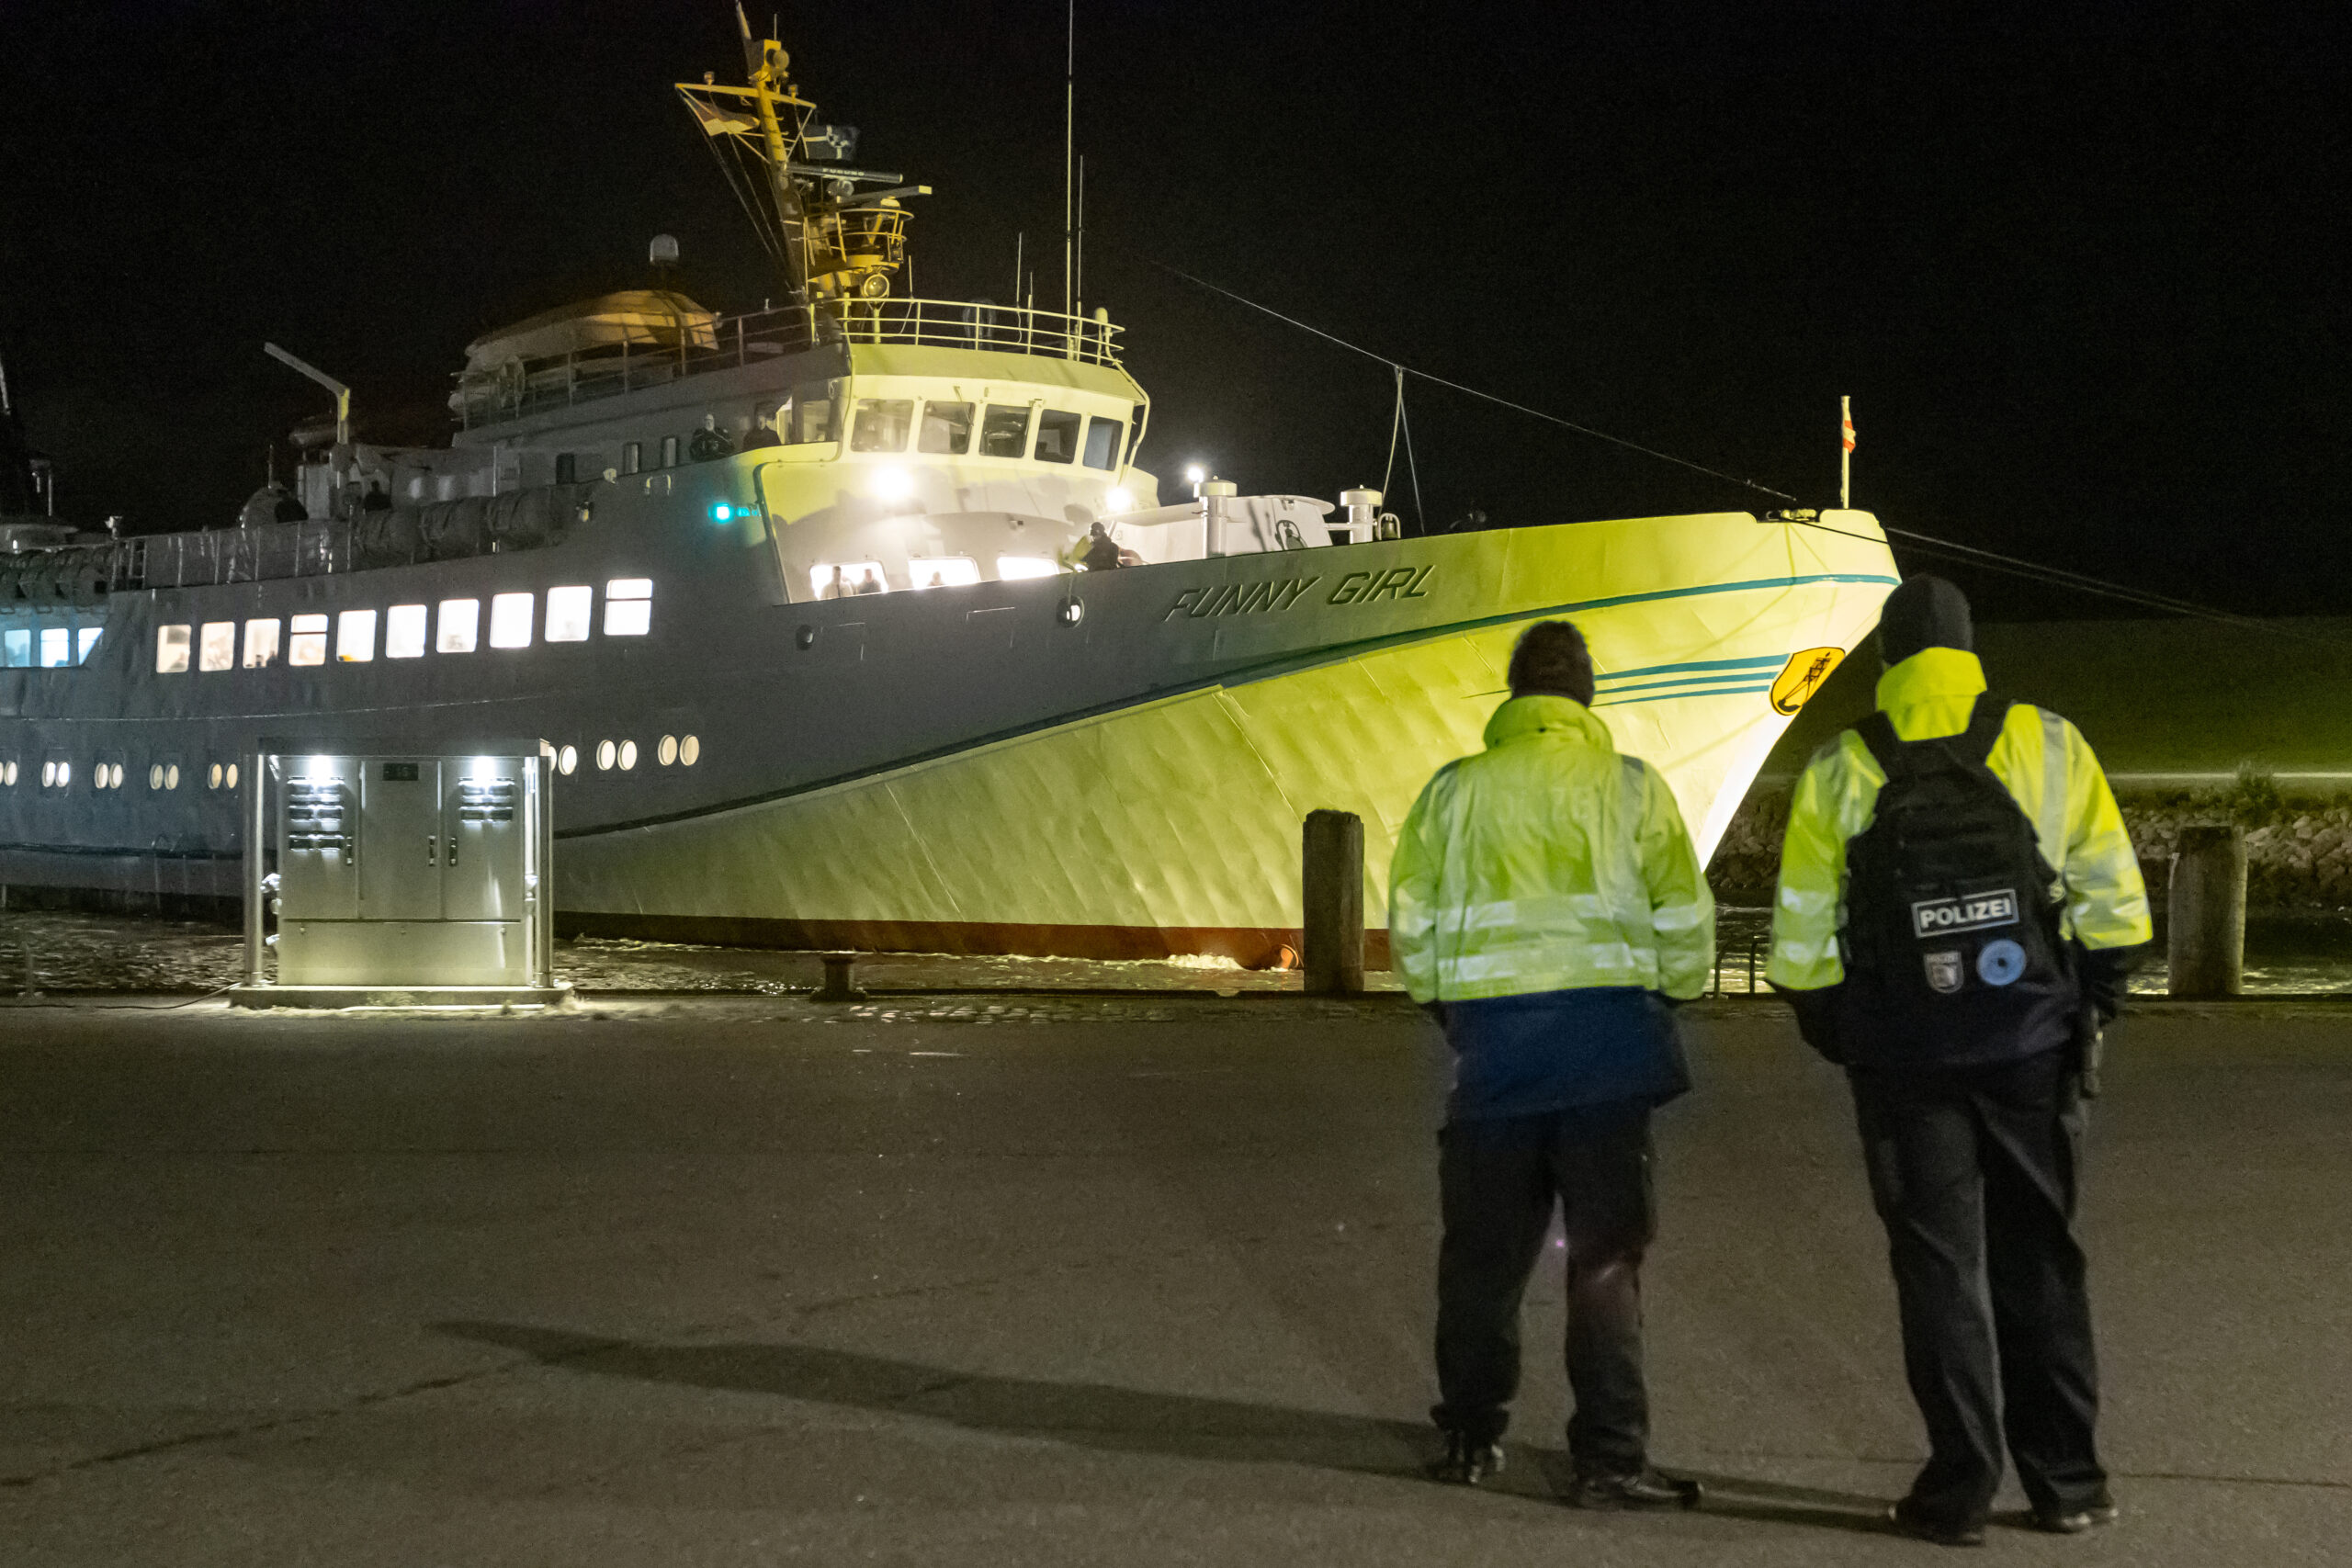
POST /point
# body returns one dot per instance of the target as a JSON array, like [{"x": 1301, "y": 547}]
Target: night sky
[{"x": 2079, "y": 266}]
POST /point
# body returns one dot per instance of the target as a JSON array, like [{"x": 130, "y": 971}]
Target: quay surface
[{"x": 1038, "y": 1279}]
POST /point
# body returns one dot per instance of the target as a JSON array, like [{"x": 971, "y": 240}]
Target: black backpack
[{"x": 1953, "y": 949}]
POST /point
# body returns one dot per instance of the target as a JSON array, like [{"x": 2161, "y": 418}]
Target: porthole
[
  {"x": 49, "y": 775},
  {"x": 567, "y": 759},
  {"x": 690, "y": 750},
  {"x": 155, "y": 776},
  {"x": 8, "y": 774},
  {"x": 605, "y": 752},
  {"x": 629, "y": 755},
  {"x": 666, "y": 752},
  {"x": 172, "y": 776},
  {"x": 64, "y": 775},
  {"x": 115, "y": 781},
  {"x": 233, "y": 775},
  {"x": 212, "y": 779}
]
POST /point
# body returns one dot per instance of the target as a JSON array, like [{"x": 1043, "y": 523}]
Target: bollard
[
  {"x": 2206, "y": 912},
  {"x": 841, "y": 979},
  {"x": 1331, "y": 875}
]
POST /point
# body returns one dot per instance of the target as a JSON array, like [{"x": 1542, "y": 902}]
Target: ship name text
[{"x": 1254, "y": 598}]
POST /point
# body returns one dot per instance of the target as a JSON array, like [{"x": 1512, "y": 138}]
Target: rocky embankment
[{"x": 2299, "y": 852}]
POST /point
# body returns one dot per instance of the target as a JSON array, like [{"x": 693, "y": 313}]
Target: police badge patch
[{"x": 1945, "y": 972}]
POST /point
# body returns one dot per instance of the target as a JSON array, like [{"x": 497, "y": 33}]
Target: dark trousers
[
  {"x": 1973, "y": 1172},
  {"x": 1499, "y": 1182}
]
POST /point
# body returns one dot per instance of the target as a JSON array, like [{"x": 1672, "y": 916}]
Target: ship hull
[{"x": 1109, "y": 764}]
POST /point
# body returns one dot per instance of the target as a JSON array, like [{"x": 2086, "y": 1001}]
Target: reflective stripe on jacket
[
  {"x": 2048, "y": 769},
  {"x": 1547, "y": 863}
]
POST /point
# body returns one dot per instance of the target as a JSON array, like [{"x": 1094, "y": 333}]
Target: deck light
[
  {"x": 1194, "y": 473},
  {"x": 1119, "y": 501},
  {"x": 891, "y": 483}
]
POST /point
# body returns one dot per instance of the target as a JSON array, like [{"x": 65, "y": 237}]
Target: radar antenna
[{"x": 830, "y": 241}]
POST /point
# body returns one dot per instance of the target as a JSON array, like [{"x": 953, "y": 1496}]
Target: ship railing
[
  {"x": 260, "y": 553},
  {"x": 518, "y": 388}
]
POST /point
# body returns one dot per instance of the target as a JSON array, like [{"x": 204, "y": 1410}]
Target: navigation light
[
  {"x": 720, "y": 511},
  {"x": 891, "y": 483}
]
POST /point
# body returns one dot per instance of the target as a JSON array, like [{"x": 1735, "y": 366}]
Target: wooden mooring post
[
  {"x": 2205, "y": 912},
  {"x": 1331, "y": 878}
]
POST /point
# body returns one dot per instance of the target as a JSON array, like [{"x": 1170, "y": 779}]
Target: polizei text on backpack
[{"x": 1976, "y": 912}]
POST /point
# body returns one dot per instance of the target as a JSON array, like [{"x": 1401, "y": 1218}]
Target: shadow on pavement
[{"x": 1097, "y": 1416}]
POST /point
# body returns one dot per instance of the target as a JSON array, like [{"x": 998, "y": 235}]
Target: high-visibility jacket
[
  {"x": 1547, "y": 863},
  {"x": 2042, "y": 760}
]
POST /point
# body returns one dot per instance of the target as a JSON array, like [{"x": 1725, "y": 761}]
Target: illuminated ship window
[
  {"x": 946, "y": 428},
  {"x": 668, "y": 451},
  {"x": 404, "y": 632},
  {"x": 155, "y": 776},
  {"x": 1013, "y": 568},
  {"x": 567, "y": 759},
  {"x": 569, "y": 614},
  {"x": 629, "y": 755},
  {"x": 881, "y": 425},
  {"x": 15, "y": 648},
  {"x": 628, "y": 606},
  {"x": 689, "y": 751},
  {"x": 261, "y": 644},
  {"x": 355, "y": 636},
  {"x": 1004, "y": 433},
  {"x": 84, "y": 639},
  {"x": 171, "y": 650},
  {"x": 233, "y": 775},
  {"x": 1057, "y": 436},
  {"x": 1103, "y": 437},
  {"x": 848, "y": 582},
  {"x": 943, "y": 571},
  {"x": 605, "y": 752},
  {"x": 306, "y": 642},
  {"x": 8, "y": 773},
  {"x": 460, "y": 620},
  {"x": 48, "y": 772},
  {"x": 510, "y": 619},
  {"x": 807, "y": 418},
  {"x": 170, "y": 775},
  {"x": 57, "y": 648},
  {"x": 667, "y": 751},
  {"x": 216, "y": 645},
  {"x": 212, "y": 779},
  {"x": 632, "y": 455}
]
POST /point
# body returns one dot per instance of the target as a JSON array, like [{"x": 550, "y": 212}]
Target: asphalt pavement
[{"x": 1046, "y": 1280}]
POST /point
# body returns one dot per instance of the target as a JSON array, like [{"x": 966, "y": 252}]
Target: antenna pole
[
  {"x": 1070, "y": 130},
  {"x": 1080, "y": 290},
  {"x": 1846, "y": 452}
]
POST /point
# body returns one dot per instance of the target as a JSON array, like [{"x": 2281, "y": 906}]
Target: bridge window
[
  {"x": 404, "y": 632},
  {"x": 1057, "y": 436},
  {"x": 1004, "y": 431},
  {"x": 460, "y": 620},
  {"x": 569, "y": 614},
  {"x": 216, "y": 645},
  {"x": 628, "y": 606},
  {"x": 848, "y": 582},
  {"x": 943, "y": 571},
  {"x": 171, "y": 650},
  {"x": 355, "y": 636},
  {"x": 306, "y": 644},
  {"x": 947, "y": 427},
  {"x": 1102, "y": 437},
  {"x": 882, "y": 424},
  {"x": 807, "y": 418},
  {"x": 261, "y": 644},
  {"x": 510, "y": 619}
]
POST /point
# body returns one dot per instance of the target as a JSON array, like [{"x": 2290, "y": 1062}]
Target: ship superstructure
[{"x": 852, "y": 620}]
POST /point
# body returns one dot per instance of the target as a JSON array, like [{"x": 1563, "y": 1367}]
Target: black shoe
[
  {"x": 1906, "y": 1519},
  {"x": 2075, "y": 1521},
  {"x": 1644, "y": 1488},
  {"x": 1464, "y": 1462}
]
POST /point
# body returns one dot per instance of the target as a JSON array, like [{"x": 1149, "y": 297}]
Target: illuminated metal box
[{"x": 393, "y": 871}]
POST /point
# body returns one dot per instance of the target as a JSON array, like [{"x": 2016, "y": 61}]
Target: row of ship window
[
  {"x": 47, "y": 646},
  {"x": 456, "y": 628},
  {"x": 59, "y": 774},
  {"x": 610, "y": 756}
]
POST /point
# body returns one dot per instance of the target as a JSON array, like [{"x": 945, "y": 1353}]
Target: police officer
[
  {"x": 1543, "y": 900},
  {"x": 1960, "y": 1001}
]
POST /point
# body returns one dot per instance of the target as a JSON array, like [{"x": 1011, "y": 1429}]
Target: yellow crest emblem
[{"x": 1802, "y": 676}]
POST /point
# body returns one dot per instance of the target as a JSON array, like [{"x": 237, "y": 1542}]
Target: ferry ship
[{"x": 853, "y": 621}]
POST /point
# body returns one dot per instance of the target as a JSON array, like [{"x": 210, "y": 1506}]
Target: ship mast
[{"x": 766, "y": 61}]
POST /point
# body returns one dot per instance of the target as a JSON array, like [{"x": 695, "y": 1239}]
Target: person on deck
[
  {"x": 1546, "y": 906},
  {"x": 1958, "y": 908}
]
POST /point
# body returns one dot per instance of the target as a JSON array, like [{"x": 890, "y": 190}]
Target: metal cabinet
[{"x": 389, "y": 868}]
